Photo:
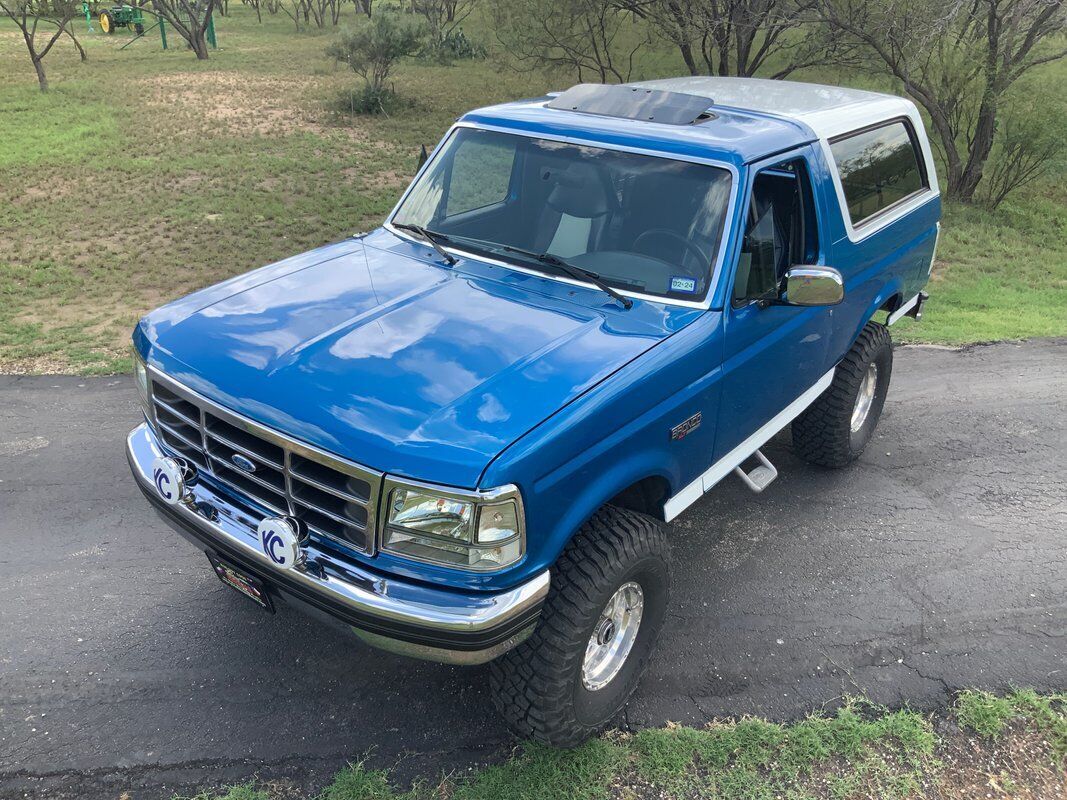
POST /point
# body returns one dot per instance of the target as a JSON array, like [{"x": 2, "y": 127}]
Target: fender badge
[{"x": 683, "y": 429}]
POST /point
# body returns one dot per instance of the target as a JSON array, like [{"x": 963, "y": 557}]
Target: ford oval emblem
[{"x": 243, "y": 463}]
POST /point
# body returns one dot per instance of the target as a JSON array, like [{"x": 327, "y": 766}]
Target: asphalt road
[{"x": 937, "y": 562}]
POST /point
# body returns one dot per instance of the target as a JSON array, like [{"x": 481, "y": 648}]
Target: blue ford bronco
[{"x": 458, "y": 436}]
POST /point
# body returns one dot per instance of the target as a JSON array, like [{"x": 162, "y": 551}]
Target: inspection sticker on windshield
[{"x": 683, "y": 284}]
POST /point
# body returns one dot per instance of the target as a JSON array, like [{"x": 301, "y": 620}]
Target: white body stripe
[{"x": 725, "y": 465}]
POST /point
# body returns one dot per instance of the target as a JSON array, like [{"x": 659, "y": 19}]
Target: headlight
[
  {"x": 477, "y": 530},
  {"x": 140, "y": 377}
]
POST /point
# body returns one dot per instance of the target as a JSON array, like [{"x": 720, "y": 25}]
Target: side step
[
  {"x": 761, "y": 476},
  {"x": 916, "y": 312}
]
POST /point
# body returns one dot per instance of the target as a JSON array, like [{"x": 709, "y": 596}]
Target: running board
[
  {"x": 692, "y": 492},
  {"x": 911, "y": 308},
  {"x": 760, "y": 477}
]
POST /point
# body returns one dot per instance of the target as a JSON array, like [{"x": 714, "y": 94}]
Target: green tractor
[{"x": 121, "y": 15}]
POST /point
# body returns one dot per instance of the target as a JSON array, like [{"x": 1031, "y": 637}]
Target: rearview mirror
[{"x": 812, "y": 286}]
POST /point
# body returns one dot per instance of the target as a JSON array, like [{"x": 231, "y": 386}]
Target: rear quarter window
[{"x": 879, "y": 167}]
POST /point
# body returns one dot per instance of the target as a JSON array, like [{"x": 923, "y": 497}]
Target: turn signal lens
[
  {"x": 140, "y": 377},
  {"x": 498, "y": 522}
]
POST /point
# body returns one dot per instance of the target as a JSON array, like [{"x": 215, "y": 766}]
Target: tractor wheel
[
  {"x": 107, "y": 22},
  {"x": 138, "y": 28}
]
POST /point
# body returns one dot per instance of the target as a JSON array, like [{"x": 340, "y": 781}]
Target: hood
[{"x": 369, "y": 350}]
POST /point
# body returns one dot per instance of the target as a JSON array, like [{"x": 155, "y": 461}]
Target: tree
[
  {"x": 443, "y": 17},
  {"x": 1029, "y": 142},
  {"x": 739, "y": 37},
  {"x": 256, "y": 5},
  {"x": 28, "y": 15},
  {"x": 190, "y": 18},
  {"x": 591, "y": 38},
  {"x": 372, "y": 50},
  {"x": 957, "y": 59}
]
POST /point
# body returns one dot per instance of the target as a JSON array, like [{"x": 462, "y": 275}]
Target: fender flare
[
  {"x": 607, "y": 485},
  {"x": 894, "y": 288}
]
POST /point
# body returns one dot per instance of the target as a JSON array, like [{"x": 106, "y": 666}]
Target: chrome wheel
[
  {"x": 865, "y": 397},
  {"x": 613, "y": 637}
]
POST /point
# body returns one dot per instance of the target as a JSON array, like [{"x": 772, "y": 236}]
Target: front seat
[{"x": 576, "y": 210}]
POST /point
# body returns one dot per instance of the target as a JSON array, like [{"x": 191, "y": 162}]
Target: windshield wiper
[
  {"x": 577, "y": 273},
  {"x": 432, "y": 237}
]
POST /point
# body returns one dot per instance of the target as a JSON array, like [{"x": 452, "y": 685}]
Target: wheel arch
[
  {"x": 646, "y": 496},
  {"x": 887, "y": 298},
  {"x": 637, "y": 483}
]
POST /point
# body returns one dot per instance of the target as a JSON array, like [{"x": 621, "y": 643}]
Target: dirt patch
[
  {"x": 386, "y": 179},
  {"x": 47, "y": 191},
  {"x": 1019, "y": 764},
  {"x": 243, "y": 104},
  {"x": 42, "y": 365},
  {"x": 239, "y": 103}
]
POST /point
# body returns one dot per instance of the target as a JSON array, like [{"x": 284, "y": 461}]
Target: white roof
[{"x": 827, "y": 110}]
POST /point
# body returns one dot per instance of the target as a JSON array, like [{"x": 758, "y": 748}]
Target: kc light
[{"x": 474, "y": 531}]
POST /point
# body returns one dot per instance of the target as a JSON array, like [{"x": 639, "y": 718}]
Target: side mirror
[{"x": 812, "y": 286}]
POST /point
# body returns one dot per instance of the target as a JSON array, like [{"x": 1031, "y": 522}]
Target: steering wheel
[{"x": 668, "y": 233}]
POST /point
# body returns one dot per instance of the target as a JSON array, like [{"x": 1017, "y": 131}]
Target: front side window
[
  {"x": 642, "y": 223},
  {"x": 781, "y": 231},
  {"x": 481, "y": 174},
  {"x": 878, "y": 167}
]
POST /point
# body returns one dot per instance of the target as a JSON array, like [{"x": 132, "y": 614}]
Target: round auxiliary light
[
  {"x": 172, "y": 478},
  {"x": 279, "y": 539}
]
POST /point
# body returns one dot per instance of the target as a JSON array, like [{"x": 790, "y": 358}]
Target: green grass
[
  {"x": 998, "y": 276},
  {"x": 146, "y": 174},
  {"x": 753, "y": 758},
  {"x": 861, "y": 751},
  {"x": 989, "y": 715}
]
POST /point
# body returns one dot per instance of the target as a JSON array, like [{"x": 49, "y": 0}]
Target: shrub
[
  {"x": 364, "y": 100},
  {"x": 372, "y": 50},
  {"x": 455, "y": 46}
]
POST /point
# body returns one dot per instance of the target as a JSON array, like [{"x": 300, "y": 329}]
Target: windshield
[{"x": 641, "y": 223}]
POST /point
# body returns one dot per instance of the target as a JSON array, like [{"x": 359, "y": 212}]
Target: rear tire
[
  {"x": 834, "y": 430},
  {"x": 107, "y": 22},
  {"x": 579, "y": 667}
]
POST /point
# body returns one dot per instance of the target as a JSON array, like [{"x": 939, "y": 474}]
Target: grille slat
[
  {"x": 334, "y": 498},
  {"x": 273, "y": 485},
  {"x": 338, "y": 518},
  {"x": 182, "y": 448},
  {"x": 340, "y": 495},
  {"x": 326, "y": 526},
  {"x": 178, "y": 434},
  {"x": 322, "y": 477},
  {"x": 179, "y": 408},
  {"x": 243, "y": 440},
  {"x": 233, "y": 447}
]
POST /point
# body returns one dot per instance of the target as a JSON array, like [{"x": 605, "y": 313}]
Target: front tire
[
  {"x": 598, "y": 627},
  {"x": 834, "y": 430}
]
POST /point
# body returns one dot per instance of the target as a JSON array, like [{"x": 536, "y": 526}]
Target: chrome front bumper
[{"x": 424, "y": 622}]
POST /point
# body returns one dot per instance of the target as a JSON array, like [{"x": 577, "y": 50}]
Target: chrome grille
[{"x": 333, "y": 497}]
